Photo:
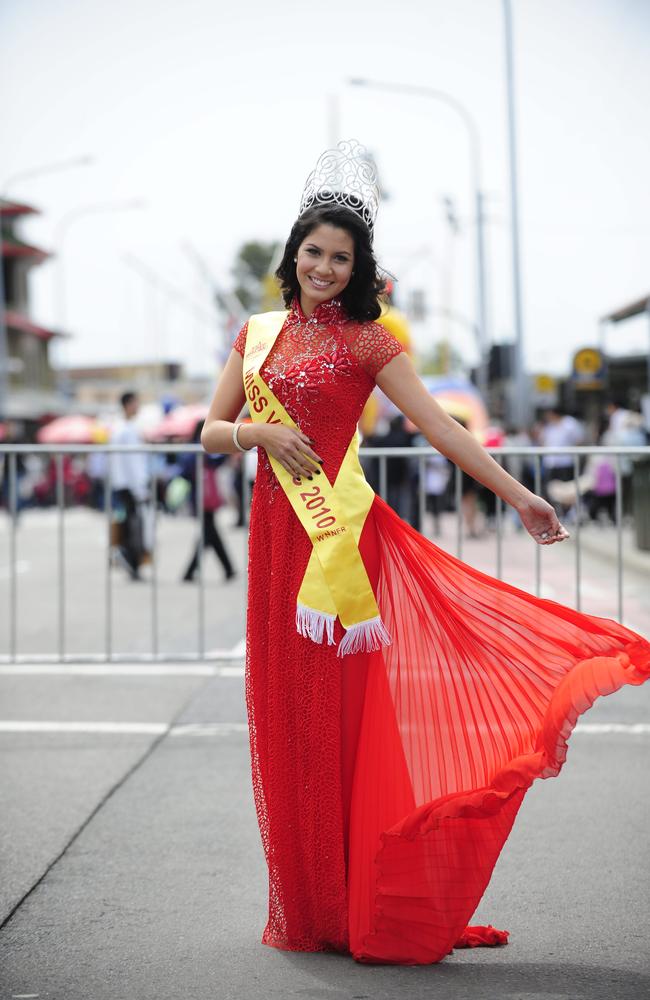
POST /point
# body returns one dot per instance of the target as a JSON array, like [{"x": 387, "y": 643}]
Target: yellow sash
[{"x": 335, "y": 581}]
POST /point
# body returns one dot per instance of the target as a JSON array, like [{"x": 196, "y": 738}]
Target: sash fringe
[
  {"x": 312, "y": 624},
  {"x": 364, "y": 637}
]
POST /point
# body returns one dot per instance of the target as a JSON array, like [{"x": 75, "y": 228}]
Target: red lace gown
[{"x": 386, "y": 783}]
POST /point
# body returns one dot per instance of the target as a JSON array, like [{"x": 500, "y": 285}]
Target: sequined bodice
[{"x": 322, "y": 369}]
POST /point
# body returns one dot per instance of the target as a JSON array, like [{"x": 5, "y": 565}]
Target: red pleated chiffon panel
[{"x": 475, "y": 699}]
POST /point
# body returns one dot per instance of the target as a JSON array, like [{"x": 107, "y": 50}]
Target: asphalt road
[{"x": 131, "y": 860}]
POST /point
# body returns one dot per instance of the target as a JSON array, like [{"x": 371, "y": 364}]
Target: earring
[{"x": 295, "y": 260}]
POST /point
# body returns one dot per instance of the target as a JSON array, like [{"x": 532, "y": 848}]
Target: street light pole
[
  {"x": 521, "y": 396},
  {"x": 47, "y": 168},
  {"x": 4, "y": 341},
  {"x": 475, "y": 169},
  {"x": 333, "y": 120},
  {"x": 161, "y": 286},
  {"x": 60, "y": 233}
]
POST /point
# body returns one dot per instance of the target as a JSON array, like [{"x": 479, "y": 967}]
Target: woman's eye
[{"x": 312, "y": 250}]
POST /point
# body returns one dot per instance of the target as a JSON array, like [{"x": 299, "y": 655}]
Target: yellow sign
[
  {"x": 588, "y": 369},
  {"x": 545, "y": 384},
  {"x": 588, "y": 361}
]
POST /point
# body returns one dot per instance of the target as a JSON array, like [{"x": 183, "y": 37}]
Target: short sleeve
[
  {"x": 373, "y": 347},
  {"x": 240, "y": 340}
]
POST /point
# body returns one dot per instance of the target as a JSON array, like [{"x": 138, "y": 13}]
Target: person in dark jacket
[{"x": 212, "y": 500}]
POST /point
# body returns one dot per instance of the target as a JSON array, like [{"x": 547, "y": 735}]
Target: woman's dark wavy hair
[{"x": 360, "y": 298}]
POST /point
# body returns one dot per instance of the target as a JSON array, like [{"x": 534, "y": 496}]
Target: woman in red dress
[{"x": 386, "y": 781}]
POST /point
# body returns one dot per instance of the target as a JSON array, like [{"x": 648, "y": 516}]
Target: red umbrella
[
  {"x": 72, "y": 429},
  {"x": 180, "y": 423}
]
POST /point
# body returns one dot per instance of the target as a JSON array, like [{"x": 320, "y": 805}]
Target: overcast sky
[{"x": 212, "y": 114}]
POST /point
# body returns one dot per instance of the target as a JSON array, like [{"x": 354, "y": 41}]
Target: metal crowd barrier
[
  {"x": 418, "y": 455},
  {"x": 536, "y": 453}
]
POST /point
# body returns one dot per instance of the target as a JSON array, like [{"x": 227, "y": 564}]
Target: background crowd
[{"x": 583, "y": 487}]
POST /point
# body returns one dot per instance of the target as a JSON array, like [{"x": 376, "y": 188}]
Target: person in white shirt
[
  {"x": 560, "y": 431},
  {"x": 625, "y": 428},
  {"x": 130, "y": 476}
]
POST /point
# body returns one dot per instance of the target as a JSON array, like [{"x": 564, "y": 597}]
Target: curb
[{"x": 632, "y": 558}]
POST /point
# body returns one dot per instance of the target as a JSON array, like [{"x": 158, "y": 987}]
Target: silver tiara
[{"x": 344, "y": 176}]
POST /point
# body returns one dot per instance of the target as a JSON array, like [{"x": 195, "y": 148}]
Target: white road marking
[
  {"x": 600, "y": 728},
  {"x": 208, "y": 729},
  {"x": 226, "y": 728},
  {"x": 27, "y": 726},
  {"x": 188, "y": 669},
  {"x": 119, "y": 728},
  {"x": 238, "y": 651},
  {"x": 109, "y": 670}
]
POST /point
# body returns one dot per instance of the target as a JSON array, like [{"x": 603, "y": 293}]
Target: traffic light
[{"x": 501, "y": 363}]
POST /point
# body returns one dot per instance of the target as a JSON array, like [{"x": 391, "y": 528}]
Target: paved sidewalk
[
  {"x": 602, "y": 540},
  {"x": 177, "y": 608}
]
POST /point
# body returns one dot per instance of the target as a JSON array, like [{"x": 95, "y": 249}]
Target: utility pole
[
  {"x": 521, "y": 395},
  {"x": 333, "y": 120},
  {"x": 4, "y": 346},
  {"x": 474, "y": 145}
]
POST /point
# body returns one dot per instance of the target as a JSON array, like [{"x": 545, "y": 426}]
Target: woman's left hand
[{"x": 541, "y": 521}]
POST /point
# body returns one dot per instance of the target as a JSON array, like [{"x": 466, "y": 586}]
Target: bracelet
[{"x": 235, "y": 431}]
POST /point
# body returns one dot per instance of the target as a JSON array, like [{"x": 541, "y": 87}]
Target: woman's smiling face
[{"x": 324, "y": 264}]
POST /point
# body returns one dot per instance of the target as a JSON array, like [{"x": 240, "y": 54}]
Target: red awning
[
  {"x": 16, "y": 321},
  {"x": 72, "y": 428},
  {"x": 11, "y": 248},
  {"x": 14, "y": 208},
  {"x": 180, "y": 423}
]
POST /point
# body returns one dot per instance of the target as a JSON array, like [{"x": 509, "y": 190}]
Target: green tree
[
  {"x": 252, "y": 265},
  {"x": 441, "y": 360}
]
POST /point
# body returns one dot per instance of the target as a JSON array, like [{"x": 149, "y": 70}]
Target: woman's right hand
[
  {"x": 540, "y": 520},
  {"x": 291, "y": 448}
]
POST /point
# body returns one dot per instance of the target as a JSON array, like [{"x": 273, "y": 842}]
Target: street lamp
[
  {"x": 48, "y": 168},
  {"x": 475, "y": 167},
  {"x": 60, "y": 233},
  {"x": 159, "y": 284},
  {"x": 521, "y": 399}
]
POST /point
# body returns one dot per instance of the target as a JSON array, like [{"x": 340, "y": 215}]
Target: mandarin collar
[{"x": 331, "y": 311}]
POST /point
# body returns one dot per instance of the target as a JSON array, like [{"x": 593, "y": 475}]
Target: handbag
[{"x": 212, "y": 498}]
